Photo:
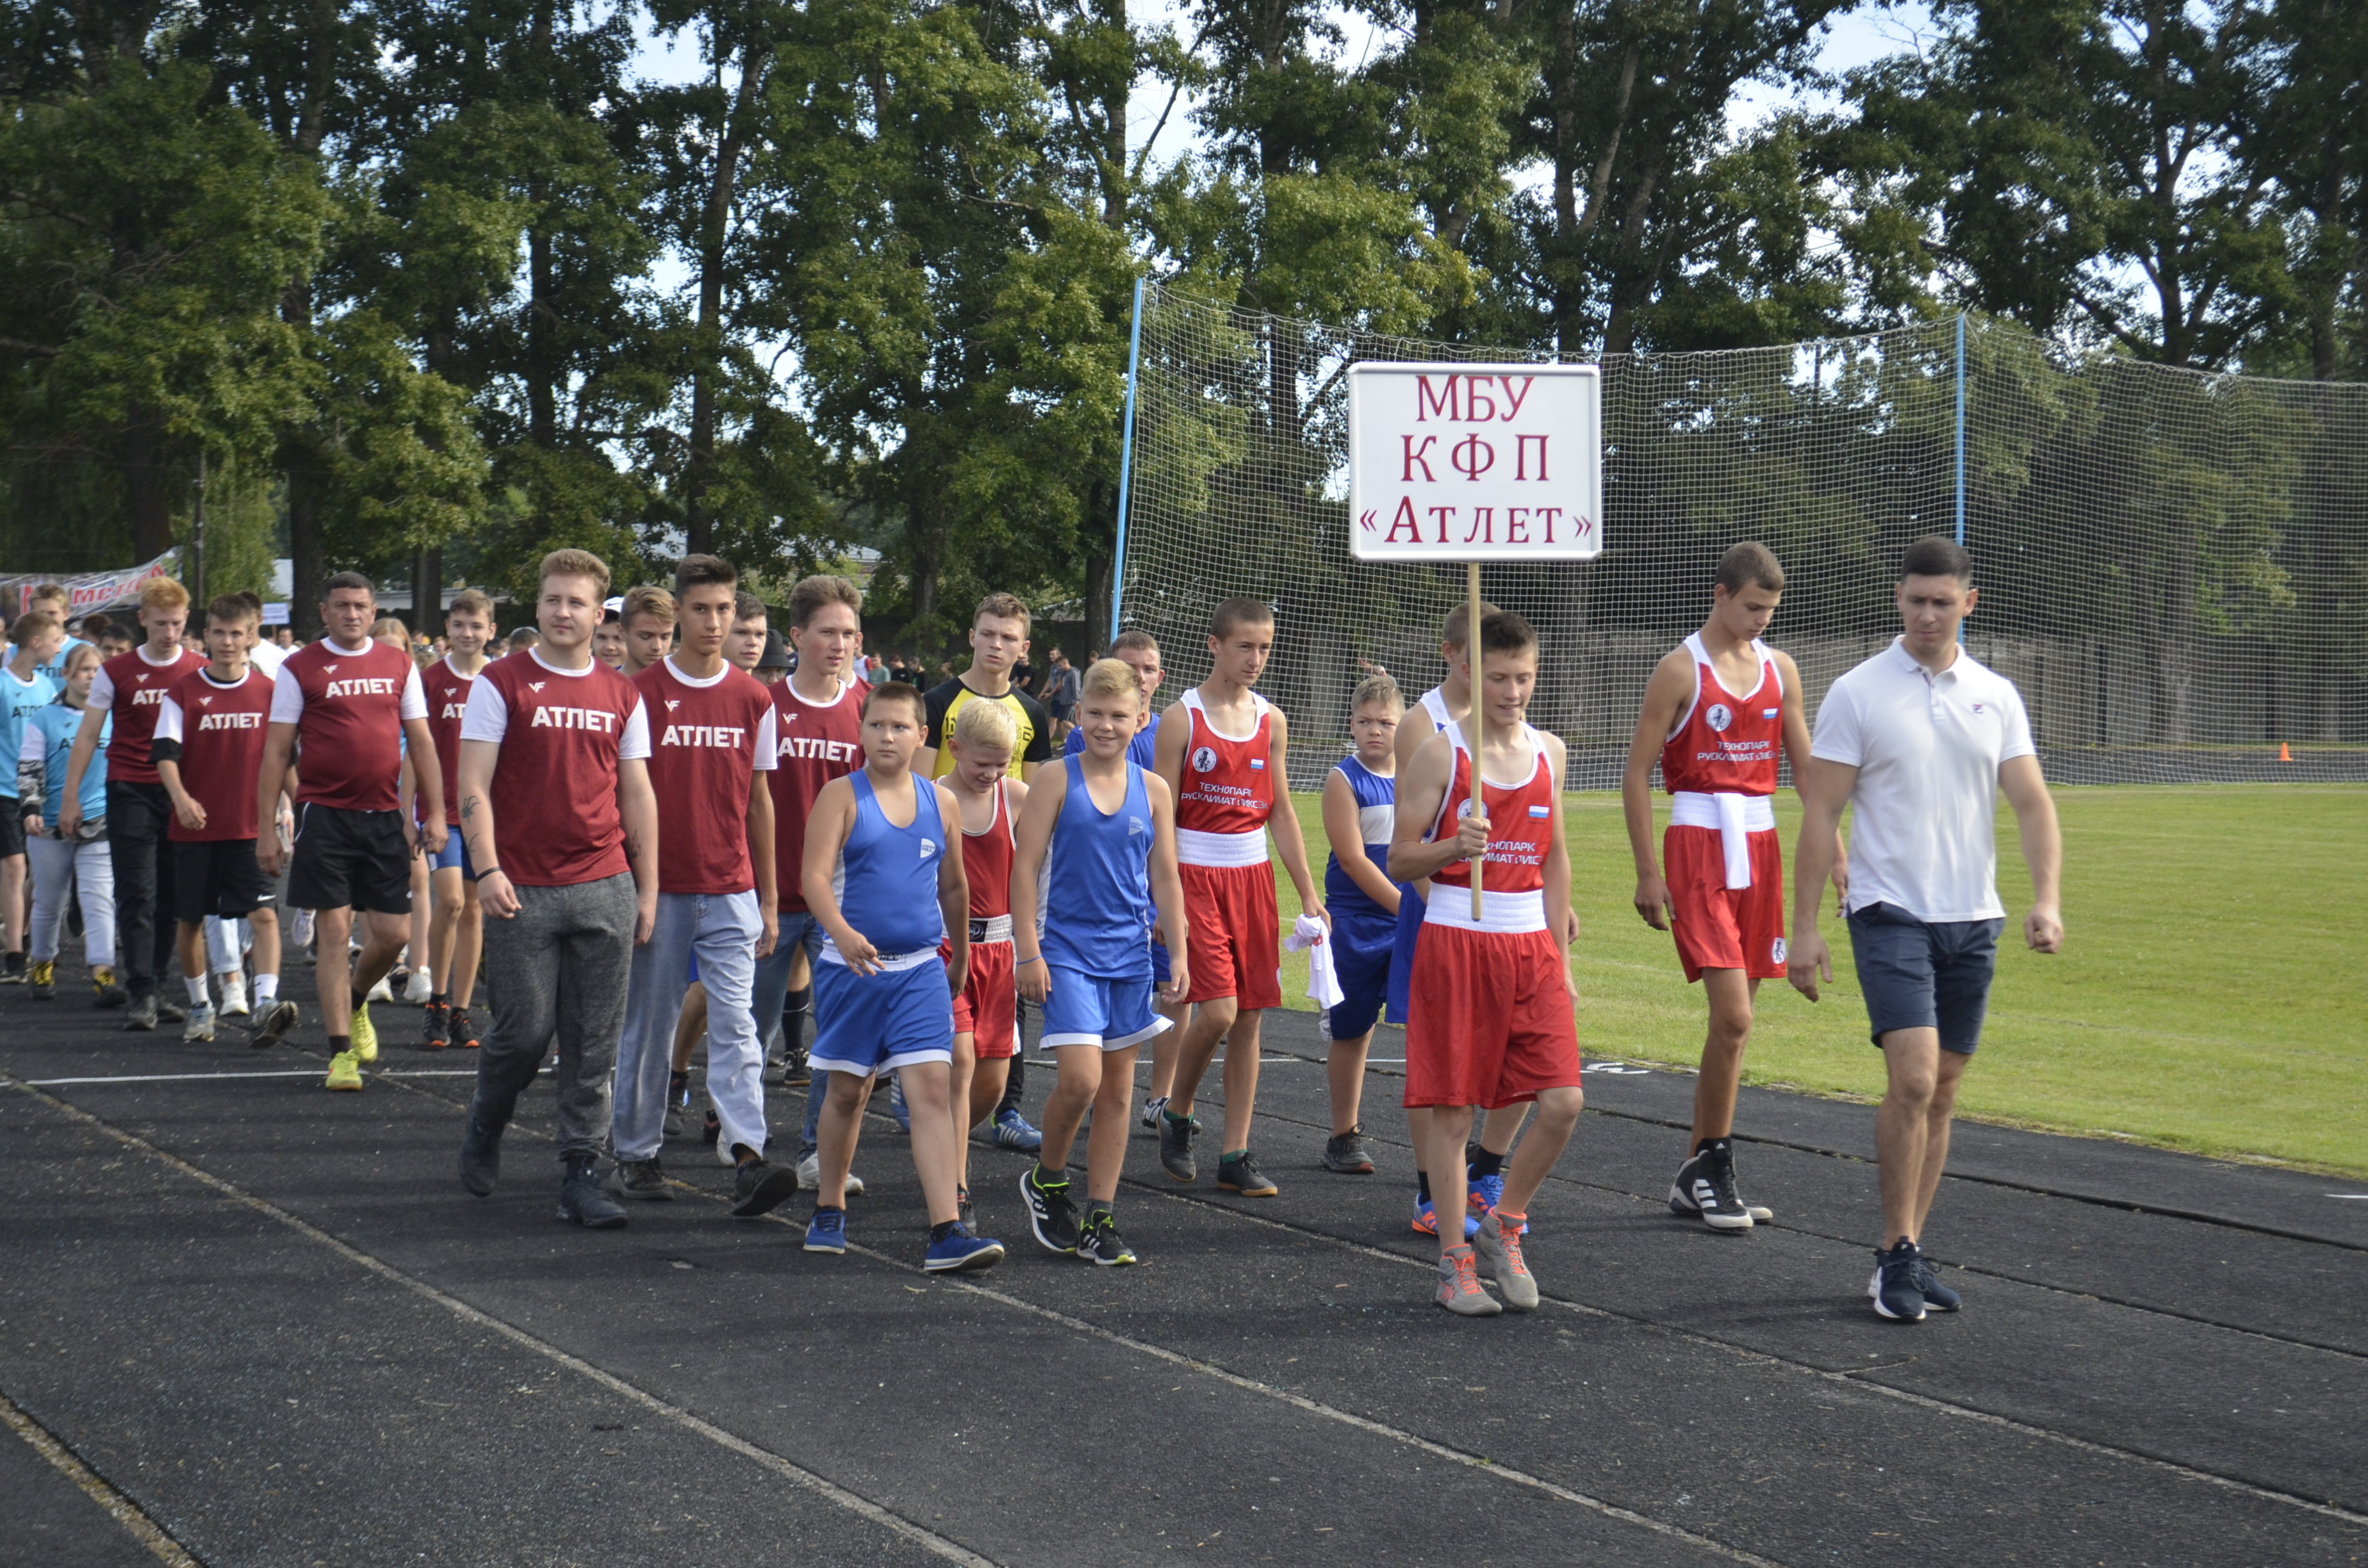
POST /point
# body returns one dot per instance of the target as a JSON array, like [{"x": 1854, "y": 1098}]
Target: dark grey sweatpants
[{"x": 559, "y": 964}]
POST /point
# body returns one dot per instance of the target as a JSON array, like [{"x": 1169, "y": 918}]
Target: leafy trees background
[{"x": 432, "y": 285}]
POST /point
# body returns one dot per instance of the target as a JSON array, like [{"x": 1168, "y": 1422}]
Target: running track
[{"x": 243, "y": 1322}]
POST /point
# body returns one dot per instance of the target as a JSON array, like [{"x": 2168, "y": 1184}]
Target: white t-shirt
[
  {"x": 1927, "y": 749},
  {"x": 268, "y": 657}
]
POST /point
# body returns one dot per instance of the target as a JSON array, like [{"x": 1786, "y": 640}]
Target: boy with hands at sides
[
  {"x": 883, "y": 880},
  {"x": 1490, "y": 1006},
  {"x": 456, "y": 932},
  {"x": 208, "y": 748},
  {"x": 1099, "y": 830},
  {"x": 986, "y": 1014},
  {"x": 1719, "y": 712},
  {"x": 1220, "y": 753},
  {"x": 1360, "y": 805}
]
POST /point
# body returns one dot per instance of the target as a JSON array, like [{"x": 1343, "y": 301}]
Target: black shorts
[
  {"x": 1917, "y": 975},
  {"x": 217, "y": 877},
  {"x": 349, "y": 861},
  {"x": 12, "y": 828}
]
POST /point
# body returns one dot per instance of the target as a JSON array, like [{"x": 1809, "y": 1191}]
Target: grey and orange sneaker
[{"x": 1459, "y": 1285}]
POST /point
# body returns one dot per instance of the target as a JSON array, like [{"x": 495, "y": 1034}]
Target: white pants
[
  {"x": 88, "y": 864},
  {"x": 226, "y": 945}
]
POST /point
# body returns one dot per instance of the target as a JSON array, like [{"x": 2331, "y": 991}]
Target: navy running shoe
[
  {"x": 958, "y": 1252},
  {"x": 827, "y": 1232},
  {"x": 1937, "y": 1296},
  {"x": 1892, "y": 1290},
  {"x": 1013, "y": 1132}
]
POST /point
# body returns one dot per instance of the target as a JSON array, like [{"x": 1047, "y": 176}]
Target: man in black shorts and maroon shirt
[{"x": 345, "y": 707}]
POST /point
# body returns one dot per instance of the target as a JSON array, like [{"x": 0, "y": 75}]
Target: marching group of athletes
[{"x": 646, "y": 851}]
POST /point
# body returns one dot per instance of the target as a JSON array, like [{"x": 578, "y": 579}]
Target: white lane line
[
  {"x": 2350, "y": 1197},
  {"x": 127, "y": 1513},
  {"x": 951, "y": 1550},
  {"x": 268, "y": 1073}
]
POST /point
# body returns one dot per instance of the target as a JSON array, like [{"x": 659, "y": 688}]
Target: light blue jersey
[
  {"x": 48, "y": 736},
  {"x": 886, "y": 879},
  {"x": 19, "y": 700},
  {"x": 1098, "y": 881}
]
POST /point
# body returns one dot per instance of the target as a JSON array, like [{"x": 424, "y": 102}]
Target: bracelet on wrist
[{"x": 1033, "y": 958}]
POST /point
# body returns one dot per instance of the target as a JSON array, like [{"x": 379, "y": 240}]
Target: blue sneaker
[
  {"x": 896, "y": 1104},
  {"x": 1013, "y": 1132},
  {"x": 961, "y": 1253},
  {"x": 1939, "y": 1298},
  {"x": 1426, "y": 1221},
  {"x": 827, "y": 1232},
  {"x": 1485, "y": 1192},
  {"x": 1894, "y": 1289}
]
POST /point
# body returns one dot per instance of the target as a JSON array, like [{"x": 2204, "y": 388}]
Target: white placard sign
[{"x": 1475, "y": 463}]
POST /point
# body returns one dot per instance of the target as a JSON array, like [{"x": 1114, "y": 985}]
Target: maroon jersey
[
  {"x": 133, "y": 689},
  {"x": 348, "y": 709},
  {"x": 562, "y": 734},
  {"x": 446, "y": 691},
  {"x": 1725, "y": 744},
  {"x": 219, "y": 730},
  {"x": 708, "y": 739},
  {"x": 817, "y": 742},
  {"x": 1228, "y": 790}
]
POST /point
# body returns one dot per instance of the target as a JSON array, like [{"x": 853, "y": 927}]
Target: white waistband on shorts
[
  {"x": 890, "y": 962},
  {"x": 1503, "y": 912},
  {"x": 1194, "y": 847},
  {"x": 993, "y": 928},
  {"x": 1735, "y": 816}
]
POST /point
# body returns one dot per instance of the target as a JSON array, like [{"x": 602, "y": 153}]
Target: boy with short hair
[
  {"x": 1360, "y": 805},
  {"x": 26, "y": 688},
  {"x": 883, "y": 997},
  {"x": 208, "y": 749},
  {"x": 1718, "y": 713},
  {"x": 649, "y": 615},
  {"x": 456, "y": 933},
  {"x": 986, "y": 1014},
  {"x": 125, "y": 698},
  {"x": 711, "y": 739},
  {"x": 1490, "y": 1021},
  {"x": 747, "y": 645},
  {"x": 1221, "y": 753},
  {"x": 1101, "y": 830}
]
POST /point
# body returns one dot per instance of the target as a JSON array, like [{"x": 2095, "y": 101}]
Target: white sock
[
  {"x": 198, "y": 995},
  {"x": 267, "y": 988}
]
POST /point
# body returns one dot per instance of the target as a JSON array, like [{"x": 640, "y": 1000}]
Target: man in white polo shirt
[{"x": 1921, "y": 739}]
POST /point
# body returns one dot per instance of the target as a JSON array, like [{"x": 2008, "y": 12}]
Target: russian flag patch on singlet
[{"x": 1540, "y": 812}]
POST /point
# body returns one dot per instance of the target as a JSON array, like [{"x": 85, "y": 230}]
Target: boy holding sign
[{"x": 1490, "y": 1007}]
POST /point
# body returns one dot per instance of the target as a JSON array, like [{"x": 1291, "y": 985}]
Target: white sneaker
[
  {"x": 381, "y": 992},
  {"x": 234, "y": 991},
  {"x": 810, "y": 1176},
  {"x": 300, "y": 929},
  {"x": 422, "y": 987},
  {"x": 200, "y": 1026}
]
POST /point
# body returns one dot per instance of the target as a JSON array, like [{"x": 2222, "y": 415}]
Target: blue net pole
[{"x": 1126, "y": 460}]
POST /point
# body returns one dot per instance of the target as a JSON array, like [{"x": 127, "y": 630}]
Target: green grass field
[{"x": 2200, "y": 1002}]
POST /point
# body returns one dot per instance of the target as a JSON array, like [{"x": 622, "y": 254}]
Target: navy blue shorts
[
  {"x": 1364, "y": 961},
  {"x": 1924, "y": 976},
  {"x": 1411, "y": 911},
  {"x": 453, "y": 857}
]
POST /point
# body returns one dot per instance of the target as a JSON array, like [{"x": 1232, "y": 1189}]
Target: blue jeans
[
  {"x": 721, "y": 928},
  {"x": 798, "y": 929}
]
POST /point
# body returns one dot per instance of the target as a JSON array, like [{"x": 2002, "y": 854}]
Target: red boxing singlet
[
  {"x": 1521, "y": 818},
  {"x": 1228, "y": 790},
  {"x": 1725, "y": 744},
  {"x": 986, "y": 861}
]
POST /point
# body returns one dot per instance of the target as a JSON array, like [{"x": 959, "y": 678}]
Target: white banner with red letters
[{"x": 89, "y": 591}]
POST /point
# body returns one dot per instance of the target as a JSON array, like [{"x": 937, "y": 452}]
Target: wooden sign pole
[{"x": 1473, "y": 728}]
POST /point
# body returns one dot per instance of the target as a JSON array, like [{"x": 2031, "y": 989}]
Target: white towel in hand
[{"x": 1307, "y": 935}]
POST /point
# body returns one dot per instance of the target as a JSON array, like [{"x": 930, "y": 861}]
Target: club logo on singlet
[
  {"x": 1204, "y": 759},
  {"x": 929, "y": 848},
  {"x": 1463, "y": 808},
  {"x": 1776, "y": 950},
  {"x": 1718, "y": 718}
]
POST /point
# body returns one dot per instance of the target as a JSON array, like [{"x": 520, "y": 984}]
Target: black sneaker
[
  {"x": 1102, "y": 1243},
  {"x": 712, "y": 1132},
  {"x": 1348, "y": 1154},
  {"x": 582, "y": 1203},
  {"x": 1937, "y": 1296},
  {"x": 962, "y": 1210},
  {"x": 1892, "y": 1290},
  {"x": 273, "y": 1019},
  {"x": 645, "y": 1179},
  {"x": 1241, "y": 1175},
  {"x": 1176, "y": 1146},
  {"x": 759, "y": 1189},
  {"x": 1704, "y": 1188},
  {"x": 1050, "y": 1213},
  {"x": 437, "y": 1033},
  {"x": 677, "y": 1101},
  {"x": 12, "y": 965},
  {"x": 795, "y": 1073},
  {"x": 141, "y": 1017},
  {"x": 481, "y": 1156}
]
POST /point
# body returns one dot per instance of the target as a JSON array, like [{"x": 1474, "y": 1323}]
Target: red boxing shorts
[
  {"x": 1234, "y": 935},
  {"x": 1488, "y": 1018},
  {"x": 989, "y": 1008},
  {"x": 1718, "y": 927}
]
